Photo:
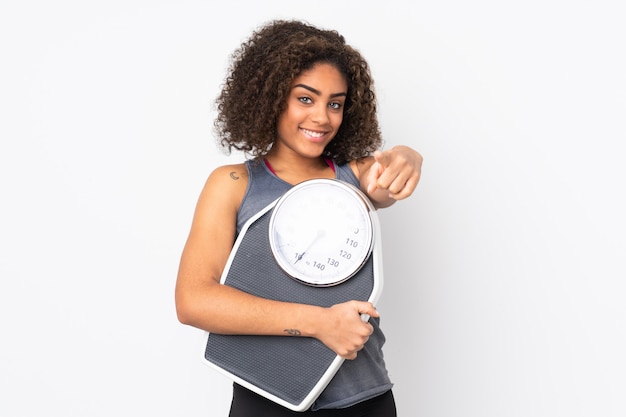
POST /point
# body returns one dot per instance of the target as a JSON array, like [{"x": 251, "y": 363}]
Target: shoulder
[
  {"x": 230, "y": 173},
  {"x": 226, "y": 184}
]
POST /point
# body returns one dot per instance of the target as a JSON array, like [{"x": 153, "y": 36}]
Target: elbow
[
  {"x": 183, "y": 315},
  {"x": 195, "y": 305},
  {"x": 185, "y": 312}
]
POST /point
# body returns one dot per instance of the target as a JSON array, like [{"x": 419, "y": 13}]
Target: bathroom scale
[{"x": 318, "y": 244}]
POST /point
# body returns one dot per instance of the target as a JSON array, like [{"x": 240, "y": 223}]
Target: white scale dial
[{"x": 321, "y": 231}]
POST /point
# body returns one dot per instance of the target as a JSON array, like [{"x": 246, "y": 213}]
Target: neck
[{"x": 300, "y": 170}]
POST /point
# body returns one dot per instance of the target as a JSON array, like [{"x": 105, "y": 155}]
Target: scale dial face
[{"x": 321, "y": 231}]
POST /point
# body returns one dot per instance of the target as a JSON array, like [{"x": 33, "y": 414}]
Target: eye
[
  {"x": 305, "y": 100},
  {"x": 335, "y": 105}
]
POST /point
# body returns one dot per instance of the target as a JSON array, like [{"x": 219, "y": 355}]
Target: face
[{"x": 314, "y": 111}]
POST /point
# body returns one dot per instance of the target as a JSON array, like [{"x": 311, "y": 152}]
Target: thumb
[{"x": 368, "y": 309}]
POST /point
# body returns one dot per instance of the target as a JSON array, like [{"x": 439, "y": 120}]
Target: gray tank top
[{"x": 357, "y": 380}]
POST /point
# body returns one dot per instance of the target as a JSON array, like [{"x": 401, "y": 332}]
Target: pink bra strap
[
  {"x": 330, "y": 163},
  {"x": 267, "y": 164}
]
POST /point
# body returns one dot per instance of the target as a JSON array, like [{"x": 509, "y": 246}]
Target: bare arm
[{"x": 203, "y": 302}]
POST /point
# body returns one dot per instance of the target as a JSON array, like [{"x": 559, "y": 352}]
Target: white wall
[{"x": 504, "y": 272}]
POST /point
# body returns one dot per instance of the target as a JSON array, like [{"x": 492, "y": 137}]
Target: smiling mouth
[{"x": 312, "y": 134}]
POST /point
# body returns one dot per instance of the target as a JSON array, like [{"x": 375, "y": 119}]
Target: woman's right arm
[{"x": 203, "y": 302}]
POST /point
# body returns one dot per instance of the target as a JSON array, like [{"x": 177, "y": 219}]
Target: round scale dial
[{"x": 321, "y": 231}]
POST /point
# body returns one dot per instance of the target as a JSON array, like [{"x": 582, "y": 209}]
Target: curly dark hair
[{"x": 259, "y": 81}]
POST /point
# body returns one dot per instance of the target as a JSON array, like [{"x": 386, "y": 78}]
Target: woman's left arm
[{"x": 388, "y": 176}]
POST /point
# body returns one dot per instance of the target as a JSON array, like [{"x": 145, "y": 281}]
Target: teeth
[{"x": 314, "y": 134}]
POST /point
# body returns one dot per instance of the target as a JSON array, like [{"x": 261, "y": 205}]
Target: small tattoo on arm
[
  {"x": 233, "y": 175},
  {"x": 293, "y": 332}
]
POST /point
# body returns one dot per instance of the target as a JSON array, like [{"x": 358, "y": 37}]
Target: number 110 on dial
[{"x": 321, "y": 231}]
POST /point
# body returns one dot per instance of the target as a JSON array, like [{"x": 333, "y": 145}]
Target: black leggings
[{"x": 249, "y": 404}]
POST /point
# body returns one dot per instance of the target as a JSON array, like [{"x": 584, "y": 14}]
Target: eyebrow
[{"x": 317, "y": 92}]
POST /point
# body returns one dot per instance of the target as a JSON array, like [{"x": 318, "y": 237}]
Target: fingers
[
  {"x": 397, "y": 170},
  {"x": 350, "y": 352},
  {"x": 364, "y": 332},
  {"x": 349, "y": 332},
  {"x": 402, "y": 186},
  {"x": 375, "y": 172},
  {"x": 381, "y": 157},
  {"x": 368, "y": 308}
]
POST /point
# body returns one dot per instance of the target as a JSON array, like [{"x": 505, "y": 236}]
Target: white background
[{"x": 504, "y": 272}]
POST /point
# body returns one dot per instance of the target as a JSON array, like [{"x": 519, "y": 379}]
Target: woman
[{"x": 300, "y": 102}]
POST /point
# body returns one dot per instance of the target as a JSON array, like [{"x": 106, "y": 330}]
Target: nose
[{"x": 319, "y": 114}]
